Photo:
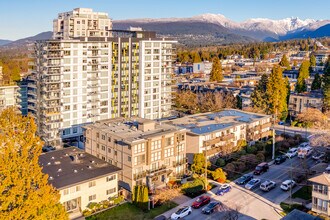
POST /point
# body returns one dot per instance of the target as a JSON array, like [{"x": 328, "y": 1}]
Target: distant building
[
  {"x": 81, "y": 22},
  {"x": 321, "y": 194},
  {"x": 183, "y": 68},
  {"x": 148, "y": 152},
  {"x": 23, "y": 91},
  {"x": 204, "y": 67},
  {"x": 301, "y": 102},
  {"x": 291, "y": 74},
  {"x": 321, "y": 57},
  {"x": 80, "y": 178},
  {"x": 9, "y": 96},
  {"x": 218, "y": 133}
]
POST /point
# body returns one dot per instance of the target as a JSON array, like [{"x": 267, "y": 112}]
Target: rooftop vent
[
  {"x": 75, "y": 171},
  {"x": 51, "y": 178},
  {"x": 59, "y": 170},
  {"x": 49, "y": 163},
  {"x": 89, "y": 167},
  {"x": 57, "y": 162},
  {"x": 92, "y": 161},
  {"x": 52, "y": 158}
]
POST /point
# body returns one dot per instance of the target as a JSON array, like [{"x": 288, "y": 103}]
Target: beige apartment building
[
  {"x": 147, "y": 152},
  {"x": 321, "y": 194},
  {"x": 9, "y": 96},
  {"x": 80, "y": 177},
  {"x": 218, "y": 133},
  {"x": 82, "y": 78},
  {"x": 301, "y": 102}
]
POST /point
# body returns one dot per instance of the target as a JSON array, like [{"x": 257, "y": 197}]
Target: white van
[{"x": 304, "y": 152}]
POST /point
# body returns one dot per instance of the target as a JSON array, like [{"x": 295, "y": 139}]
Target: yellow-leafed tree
[{"x": 24, "y": 189}]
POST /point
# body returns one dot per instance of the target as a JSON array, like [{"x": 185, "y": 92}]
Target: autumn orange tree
[{"x": 24, "y": 189}]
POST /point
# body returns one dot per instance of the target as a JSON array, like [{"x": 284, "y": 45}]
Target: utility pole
[{"x": 205, "y": 167}]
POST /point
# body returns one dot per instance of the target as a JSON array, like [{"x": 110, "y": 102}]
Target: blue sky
[{"x": 23, "y": 18}]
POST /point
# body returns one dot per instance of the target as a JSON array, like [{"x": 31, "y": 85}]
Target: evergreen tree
[
  {"x": 285, "y": 63},
  {"x": 312, "y": 60},
  {"x": 24, "y": 189},
  {"x": 276, "y": 92},
  {"x": 197, "y": 58},
  {"x": 259, "y": 96},
  {"x": 317, "y": 82},
  {"x": 303, "y": 75},
  {"x": 216, "y": 72}
]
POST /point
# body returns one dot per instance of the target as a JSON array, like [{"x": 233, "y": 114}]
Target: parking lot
[{"x": 257, "y": 204}]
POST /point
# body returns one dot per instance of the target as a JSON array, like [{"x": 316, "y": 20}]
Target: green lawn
[
  {"x": 304, "y": 193},
  {"x": 287, "y": 208},
  {"x": 129, "y": 211}
]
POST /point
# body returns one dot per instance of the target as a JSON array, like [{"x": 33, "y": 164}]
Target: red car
[{"x": 200, "y": 201}]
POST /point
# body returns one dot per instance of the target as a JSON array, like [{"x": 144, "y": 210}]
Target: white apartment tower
[
  {"x": 78, "y": 81},
  {"x": 81, "y": 22}
]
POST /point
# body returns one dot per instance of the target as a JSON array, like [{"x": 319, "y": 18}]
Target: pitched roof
[
  {"x": 323, "y": 178},
  {"x": 299, "y": 215}
]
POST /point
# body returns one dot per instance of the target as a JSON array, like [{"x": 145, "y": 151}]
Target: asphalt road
[{"x": 256, "y": 204}]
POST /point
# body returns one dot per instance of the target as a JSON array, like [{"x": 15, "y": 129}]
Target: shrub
[
  {"x": 239, "y": 166},
  {"x": 219, "y": 175},
  {"x": 294, "y": 123},
  {"x": 92, "y": 205},
  {"x": 251, "y": 149},
  {"x": 87, "y": 212},
  {"x": 220, "y": 162},
  {"x": 193, "y": 188},
  {"x": 260, "y": 145},
  {"x": 260, "y": 157},
  {"x": 230, "y": 169},
  {"x": 242, "y": 152}
]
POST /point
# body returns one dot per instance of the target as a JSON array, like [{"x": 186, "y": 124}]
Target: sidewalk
[{"x": 187, "y": 202}]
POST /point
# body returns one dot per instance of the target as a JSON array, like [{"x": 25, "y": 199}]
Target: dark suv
[{"x": 263, "y": 167}]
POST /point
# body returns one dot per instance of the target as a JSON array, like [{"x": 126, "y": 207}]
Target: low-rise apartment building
[
  {"x": 148, "y": 152},
  {"x": 80, "y": 177},
  {"x": 9, "y": 96},
  {"x": 301, "y": 102},
  {"x": 320, "y": 194},
  {"x": 218, "y": 133}
]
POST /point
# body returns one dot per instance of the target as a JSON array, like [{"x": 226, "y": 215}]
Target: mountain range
[{"x": 215, "y": 29}]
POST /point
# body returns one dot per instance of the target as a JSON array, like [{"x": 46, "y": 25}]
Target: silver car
[{"x": 254, "y": 183}]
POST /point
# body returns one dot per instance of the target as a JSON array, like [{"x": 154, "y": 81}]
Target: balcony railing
[
  {"x": 140, "y": 175},
  {"x": 158, "y": 170},
  {"x": 180, "y": 162}
]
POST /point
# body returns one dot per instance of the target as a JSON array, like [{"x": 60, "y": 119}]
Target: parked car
[
  {"x": 263, "y": 167},
  {"x": 201, "y": 201},
  {"x": 305, "y": 144},
  {"x": 224, "y": 188},
  {"x": 210, "y": 207},
  {"x": 254, "y": 183},
  {"x": 304, "y": 152},
  {"x": 267, "y": 185},
  {"x": 288, "y": 184},
  {"x": 299, "y": 177},
  {"x": 280, "y": 159},
  {"x": 318, "y": 156},
  {"x": 281, "y": 123},
  {"x": 182, "y": 212},
  {"x": 244, "y": 179},
  {"x": 48, "y": 149},
  {"x": 292, "y": 152}
]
